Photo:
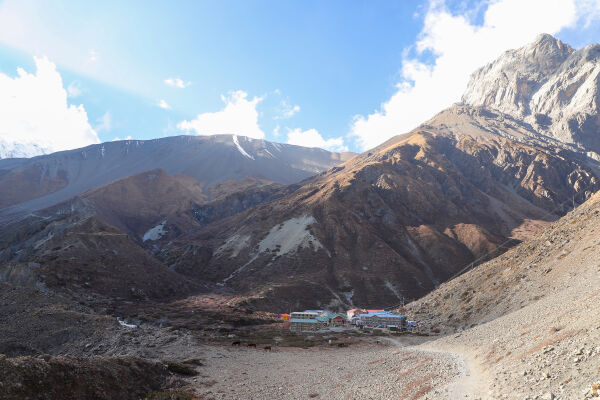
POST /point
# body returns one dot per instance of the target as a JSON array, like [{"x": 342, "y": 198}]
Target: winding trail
[{"x": 469, "y": 383}]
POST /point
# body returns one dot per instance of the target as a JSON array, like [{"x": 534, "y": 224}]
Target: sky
[{"x": 340, "y": 75}]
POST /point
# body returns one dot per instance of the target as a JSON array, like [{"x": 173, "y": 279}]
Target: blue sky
[{"x": 334, "y": 74}]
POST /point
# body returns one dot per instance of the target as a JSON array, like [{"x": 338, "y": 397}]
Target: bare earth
[{"x": 389, "y": 370}]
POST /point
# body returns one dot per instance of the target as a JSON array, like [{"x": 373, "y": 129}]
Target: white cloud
[
  {"x": 239, "y": 117},
  {"x": 34, "y": 110},
  {"x": 104, "y": 123},
  {"x": 177, "y": 83},
  {"x": 163, "y": 104},
  {"x": 459, "y": 47},
  {"x": 276, "y": 131},
  {"x": 312, "y": 138},
  {"x": 118, "y": 138},
  {"x": 286, "y": 110},
  {"x": 74, "y": 89}
]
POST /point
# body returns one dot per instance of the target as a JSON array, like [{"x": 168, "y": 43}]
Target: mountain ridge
[{"x": 42, "y": 181}]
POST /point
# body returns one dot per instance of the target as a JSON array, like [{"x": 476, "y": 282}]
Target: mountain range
[
  {"x": 39, "y": 182},
  {"x": 286, "y": 227}
]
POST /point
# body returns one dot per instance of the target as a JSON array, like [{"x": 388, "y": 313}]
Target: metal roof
[
  {"x": 307, "y": 321},
  {"x": 382, "y": 315}
]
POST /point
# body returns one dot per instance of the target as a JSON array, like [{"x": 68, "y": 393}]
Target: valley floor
[{"x": 388, "y": 370}]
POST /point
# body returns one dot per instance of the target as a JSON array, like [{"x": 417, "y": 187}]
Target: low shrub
[{"x": 180, "y": 368}]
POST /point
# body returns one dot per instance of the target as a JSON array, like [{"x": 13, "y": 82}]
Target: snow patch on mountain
[
  {"x": 155, "y": 233},
  {"x": 21, "y": 150},
  {"x": 240, "y": 148}
]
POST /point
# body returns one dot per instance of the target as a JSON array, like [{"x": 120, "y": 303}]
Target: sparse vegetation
[{"x": 180, "y": 368}]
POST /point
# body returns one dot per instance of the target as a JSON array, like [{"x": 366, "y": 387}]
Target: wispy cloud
[
  {"x": 286, "y": 110},
  {"x": 163, "y": 104},
  {"x": 459, "y": 46},
  {"x": 74, "y": 89},
  {"x": 177, "y": 83},
  {"x": 104, "y": 123},
  {"x": 93, "y": 55},
  {"x": 239, "y": 116}
]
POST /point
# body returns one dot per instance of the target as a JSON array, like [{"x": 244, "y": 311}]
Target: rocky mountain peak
[
  {"x": 549, "y": 85},
  {"x": 548, "y": 44}
]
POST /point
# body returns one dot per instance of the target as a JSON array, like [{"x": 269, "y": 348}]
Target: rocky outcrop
[{"x": 547, "y": 84}]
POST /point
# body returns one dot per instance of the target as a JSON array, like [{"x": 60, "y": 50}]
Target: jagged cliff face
[{"x": 547, "y": 84}]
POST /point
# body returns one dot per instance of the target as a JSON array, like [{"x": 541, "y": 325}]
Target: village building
[
  {"x": 337, "y": 320},
  {"x": 303, "y": 325},
  {"x": 381, "y": 318},
  {"x": 306, "y": 321},
  {"x": 319, "y": 312},
  {"x": 412, "y": 326},
  {"x": 355, "y": 312},
  {"x": 304, "y": 315}
]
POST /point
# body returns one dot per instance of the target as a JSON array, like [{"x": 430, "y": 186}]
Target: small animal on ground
[
  {"x": 267, "y": 348},
  {"x": 252, "y": 345},
  {"x": 238, "y": 343}
]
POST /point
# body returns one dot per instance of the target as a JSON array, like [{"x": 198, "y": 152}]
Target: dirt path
[
  {"x": 469, "y": 382},
  {"x": 390, "y": 370}
]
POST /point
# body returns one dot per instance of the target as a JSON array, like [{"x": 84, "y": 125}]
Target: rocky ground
[
  {"x": 49, "y": 377},
  {"x": 533, "y": 313},
  {"x": 367, "y": 370},
  {"x": 149, "y": 362}
]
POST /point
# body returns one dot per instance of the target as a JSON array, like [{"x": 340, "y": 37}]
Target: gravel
[{"x": 361, "y": 371}]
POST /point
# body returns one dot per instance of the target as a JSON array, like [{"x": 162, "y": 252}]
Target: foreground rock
[{"x": 79, "y": 378}]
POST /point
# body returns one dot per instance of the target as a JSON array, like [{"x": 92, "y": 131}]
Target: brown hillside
[{"x": 396, "y": 221}]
